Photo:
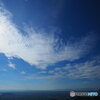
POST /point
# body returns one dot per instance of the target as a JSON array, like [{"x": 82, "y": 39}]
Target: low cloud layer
[{"x": 37, "y": 48}]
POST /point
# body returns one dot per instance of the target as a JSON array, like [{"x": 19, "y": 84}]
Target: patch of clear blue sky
[{"x": 75, "y": 18}]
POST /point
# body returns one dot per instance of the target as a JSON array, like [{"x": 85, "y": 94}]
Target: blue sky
[{"x": 49, "y": 44}]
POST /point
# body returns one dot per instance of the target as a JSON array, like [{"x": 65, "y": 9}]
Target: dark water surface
[
  {"x": 41, "y": 95},
  {"x": 35, "y": 95}
]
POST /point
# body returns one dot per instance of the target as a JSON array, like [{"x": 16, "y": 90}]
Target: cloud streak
[
  {"x": 3, "y": 69},
  {"x": 85, "y": 70},
  {"x": 23, "y": 72},
  {"x": 37, "y": 48},
  {"x": 11, "y": 65}
]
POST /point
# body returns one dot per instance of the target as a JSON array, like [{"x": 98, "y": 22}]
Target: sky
[{"x": 49, "y": 44}]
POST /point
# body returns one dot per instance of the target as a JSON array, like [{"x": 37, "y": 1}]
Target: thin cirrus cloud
[
  {"x": 23, "y": 72},
  {"x": 85, "y": 70},
  {"x": 89, "y": 69},
  {"x": 3, "y": 69},
  {"x": 37, "y": 48}
]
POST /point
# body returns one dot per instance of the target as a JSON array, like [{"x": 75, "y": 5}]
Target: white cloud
[
  {"x": 42, "y": 72},
  {"x": 89, "y": 69},
  {"x": 37, "y": 48},
  {"x": 11, "y": 65},
  {"x": 42, "y": 77},
  {"x": 23, "y": 72}
]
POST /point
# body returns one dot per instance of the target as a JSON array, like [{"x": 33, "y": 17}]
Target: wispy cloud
[
  {"x": 23, "y": 72},
  {"x": 36, "y": 47},
  {"x": 11, "y": 65},
  {"x": 3, "y": 69},
  {"x": 89, "y": 69},
  {"x": 42, "y": 77}
]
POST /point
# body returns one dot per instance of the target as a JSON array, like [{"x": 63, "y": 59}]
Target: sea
[{"x": 41, "y": 95}]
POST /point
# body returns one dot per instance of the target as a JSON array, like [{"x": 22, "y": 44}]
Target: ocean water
[
  {"x": 35, "y": 95},
  {"x": 41, "y": 95}
]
